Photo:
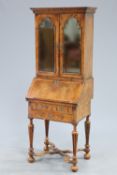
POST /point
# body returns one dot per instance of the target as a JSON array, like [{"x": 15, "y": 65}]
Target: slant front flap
[{"x": 54, "y": 90}]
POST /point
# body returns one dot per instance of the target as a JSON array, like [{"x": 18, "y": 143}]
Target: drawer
[{"x": 51, "y": 111}]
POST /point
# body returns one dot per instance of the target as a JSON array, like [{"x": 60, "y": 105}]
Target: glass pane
[
  {"x": 72, "y": 51},
  {"x": 46, "y": 46}
]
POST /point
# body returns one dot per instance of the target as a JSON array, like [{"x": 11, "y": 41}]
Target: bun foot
[
  {"x": 31, "y": 159},
  {"x": 74, "y": 168},
  {"x": 87, "y": 156}
]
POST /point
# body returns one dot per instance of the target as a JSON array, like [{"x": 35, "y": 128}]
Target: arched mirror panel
[
  {"x": 46, "y": 46},
  {"x": 71, "y": 46}
]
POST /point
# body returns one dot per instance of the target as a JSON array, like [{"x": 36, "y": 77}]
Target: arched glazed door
[
  {"x": 70, "y": 46},
  {"x": 46, "y": 41}
]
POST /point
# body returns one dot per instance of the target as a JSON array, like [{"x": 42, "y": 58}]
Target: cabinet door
[
  {"x": 71, "y": 45},
  {"x": 47, "y": 27}
]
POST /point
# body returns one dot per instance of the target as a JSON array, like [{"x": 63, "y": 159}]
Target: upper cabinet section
[{"x": 64, "y": 40}]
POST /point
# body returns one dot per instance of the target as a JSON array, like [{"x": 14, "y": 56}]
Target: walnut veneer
[{"x": 62, "y": 89}]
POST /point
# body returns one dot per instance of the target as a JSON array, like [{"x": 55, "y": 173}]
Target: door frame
[
  {"x": 63, "y": 19},
  {"x": 55, "y": 21}
]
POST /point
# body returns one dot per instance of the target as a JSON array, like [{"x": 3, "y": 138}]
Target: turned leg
[
  {"x": 87, "y": 132},
  {"x": 74, "y": 167},
  {"x": 46, "y": 133},
  {"x": 31, "y": 152}
]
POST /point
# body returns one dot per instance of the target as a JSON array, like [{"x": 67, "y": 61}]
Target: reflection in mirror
[
  {"x": 46, "y": 46},
  {"x": 72, "y": 50}
]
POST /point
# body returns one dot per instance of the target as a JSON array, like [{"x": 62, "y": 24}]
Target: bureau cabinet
[{"x": 62, "y": 88}]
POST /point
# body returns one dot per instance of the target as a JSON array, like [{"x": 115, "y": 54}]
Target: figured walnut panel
[
  {"x": 53, "y": 90},
  {"x": 87, "y": 92},
  {"x": 83, "y": 110},
  {"x": 84, "y": 104},
  {"x": 51, "y": 111},
  {"x": 88, "y": 46}
]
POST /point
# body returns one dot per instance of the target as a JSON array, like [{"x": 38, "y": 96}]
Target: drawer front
[{"x": 51, "y": 111}]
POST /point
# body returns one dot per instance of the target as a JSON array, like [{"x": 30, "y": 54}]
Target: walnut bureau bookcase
[{"x": 62, "y": 88}]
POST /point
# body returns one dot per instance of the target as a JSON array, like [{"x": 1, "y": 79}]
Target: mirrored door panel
[
  {"x": 47, "y": 38},
  {"x": 46, "y": 46},
  {"x": 71, "y": 45}
]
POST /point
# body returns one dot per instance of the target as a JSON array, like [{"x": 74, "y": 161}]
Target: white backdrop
[{"x": 17, "y": 68}]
